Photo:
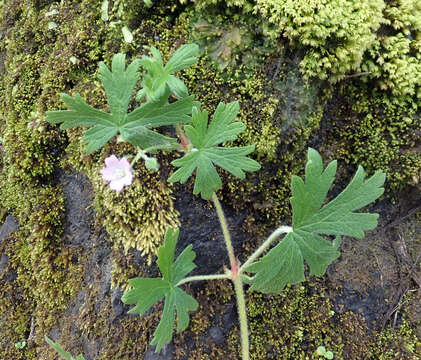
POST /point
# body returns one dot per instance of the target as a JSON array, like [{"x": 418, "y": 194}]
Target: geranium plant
[{"x": 317, "y": 227}]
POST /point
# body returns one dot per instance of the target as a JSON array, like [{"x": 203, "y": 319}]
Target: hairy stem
[
  {"x": 242, "y": 316},
  {"x": 225, "y": 231},
  {"x": 236, "y": 279},
  {"x": 279, "y": 231},
  {"x": 203, "y": 277}
]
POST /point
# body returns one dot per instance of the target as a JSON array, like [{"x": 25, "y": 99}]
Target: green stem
[
  {"x": 242, "y": 316},
  {"x": 236, "y": 279},
  {"x": 203, "y": 277},
  {"x": 225, "y": 231},
  {"x": 279, "y": 231}
]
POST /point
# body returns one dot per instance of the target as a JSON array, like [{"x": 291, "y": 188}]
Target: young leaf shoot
[{"x": 159, "y": 79}]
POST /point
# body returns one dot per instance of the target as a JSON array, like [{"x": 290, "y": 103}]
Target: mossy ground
[{"x": 283, "y": 113}]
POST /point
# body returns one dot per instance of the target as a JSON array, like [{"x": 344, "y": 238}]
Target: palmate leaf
[
  {"x": 135, "y": 127},
  {"x": 146, "y": 292},
  {"x": 159, "y": 80},
  {"x": 205, "y": 154},
  {"x": 284, "y": 264},
  {"x": 64, "y": 354}
]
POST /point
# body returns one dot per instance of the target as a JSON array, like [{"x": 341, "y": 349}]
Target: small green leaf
[
  {"x": 329, "y": 355},
  {"x": 52, "y": 25},
  {"x": 184, "y": 57},
  {"x": 135, "y": 127},
  {"x": 152, "y": 164},
  {"x": 285, "y": 262},
  {"x": 160, "y": 78},
  {"x": 321, "y": 350},
  {"x": 148, "y": 291},
  {"x": 20, "y": 344},
  {"x": 104, "y": 10},
  {"x": 64, "y": 354},
  {"x": 205, "y": 154},
  {"x": 127, "y": 34}
]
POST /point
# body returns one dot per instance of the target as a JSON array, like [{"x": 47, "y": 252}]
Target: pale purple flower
[{"x": 117, "y": 172}]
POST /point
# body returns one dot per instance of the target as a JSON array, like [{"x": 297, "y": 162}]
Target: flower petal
[
  {"x": 118, "y": 185},
  {"x": 108, "y": 174},
  {"x": 112, "y": 161}
]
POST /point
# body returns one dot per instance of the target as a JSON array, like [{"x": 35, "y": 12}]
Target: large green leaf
[
  {"x": 205, "y": 154},
  {"x": 285, "y": 262},
  {"x": 146, "y": 292},
  {"x": 136, "y": 126}
]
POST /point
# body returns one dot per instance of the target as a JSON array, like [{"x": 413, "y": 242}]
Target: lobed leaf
[
  {"x": 146, "y": 292},
  {"x": 135, "y": 127},
  {"x": 160, "y": 78},
  {"x": 284, "y": 264},
  {"x": 206, "y": 154}
]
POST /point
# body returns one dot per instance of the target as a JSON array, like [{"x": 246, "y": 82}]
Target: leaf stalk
[
  {"x": 204, "y": 277},
  {"x": 225, "y": 231},
  {"x": 259, "y": 251}
]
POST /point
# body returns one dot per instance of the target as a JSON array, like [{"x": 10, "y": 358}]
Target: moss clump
[
  {"x": 398, "y": 343},
  {"x": 35, "y": 65},
  {"x": 371, "y": 130},
  {"x": 378, "y": 39},
  {"x": 394, "y": 60},
  {"x": 336, "y": 33},
  {"x": 291, "y": 325}
]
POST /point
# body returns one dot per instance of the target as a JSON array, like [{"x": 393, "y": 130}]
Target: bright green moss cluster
[
  {"x": 377, "y": 40},
  {"x": 139, "y": 216},
  {"x": 291, "y": 325},
  {"x": 371, "y": 130},
  {"x": 395, "y": 58},
  {"x": 336, "y": 33}
]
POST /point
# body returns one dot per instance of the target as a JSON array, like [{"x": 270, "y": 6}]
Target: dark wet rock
[
  {"x": 370, "y": 304},
  {"x": 167, "y": 353},
  {"x": 9, "y": 275},
  {"x": 200, "y": 227},
  {"x": 79, "y": 215},
  {"x": 10, "y": 225},
  {"x": 4, "y": 260},
  {"x": 116, "y": 303},
  {"x": 229, "y": 318},
  {"x": 217, "y": 335}
]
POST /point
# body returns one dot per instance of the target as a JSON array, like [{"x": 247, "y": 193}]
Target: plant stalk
[
  {"x": 203, "y": 277},
  {"x": 225, "y": 231},
  {"x": 242, "y": 316},
  {"x": 236, "y": 279},
  {"x": 279, "y": 231}
]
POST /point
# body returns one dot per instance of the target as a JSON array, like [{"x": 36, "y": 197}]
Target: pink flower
[{"x": 117, "y": 172}]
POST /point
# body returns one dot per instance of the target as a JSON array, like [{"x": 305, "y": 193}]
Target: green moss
[
  {"x": 371, "y": 130},
  {"x": 378, "y": 39},
  {"x": 291, "y": 325},
  {"x": 398, "y": 343},
  {"x": 395, "y": 60}
]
